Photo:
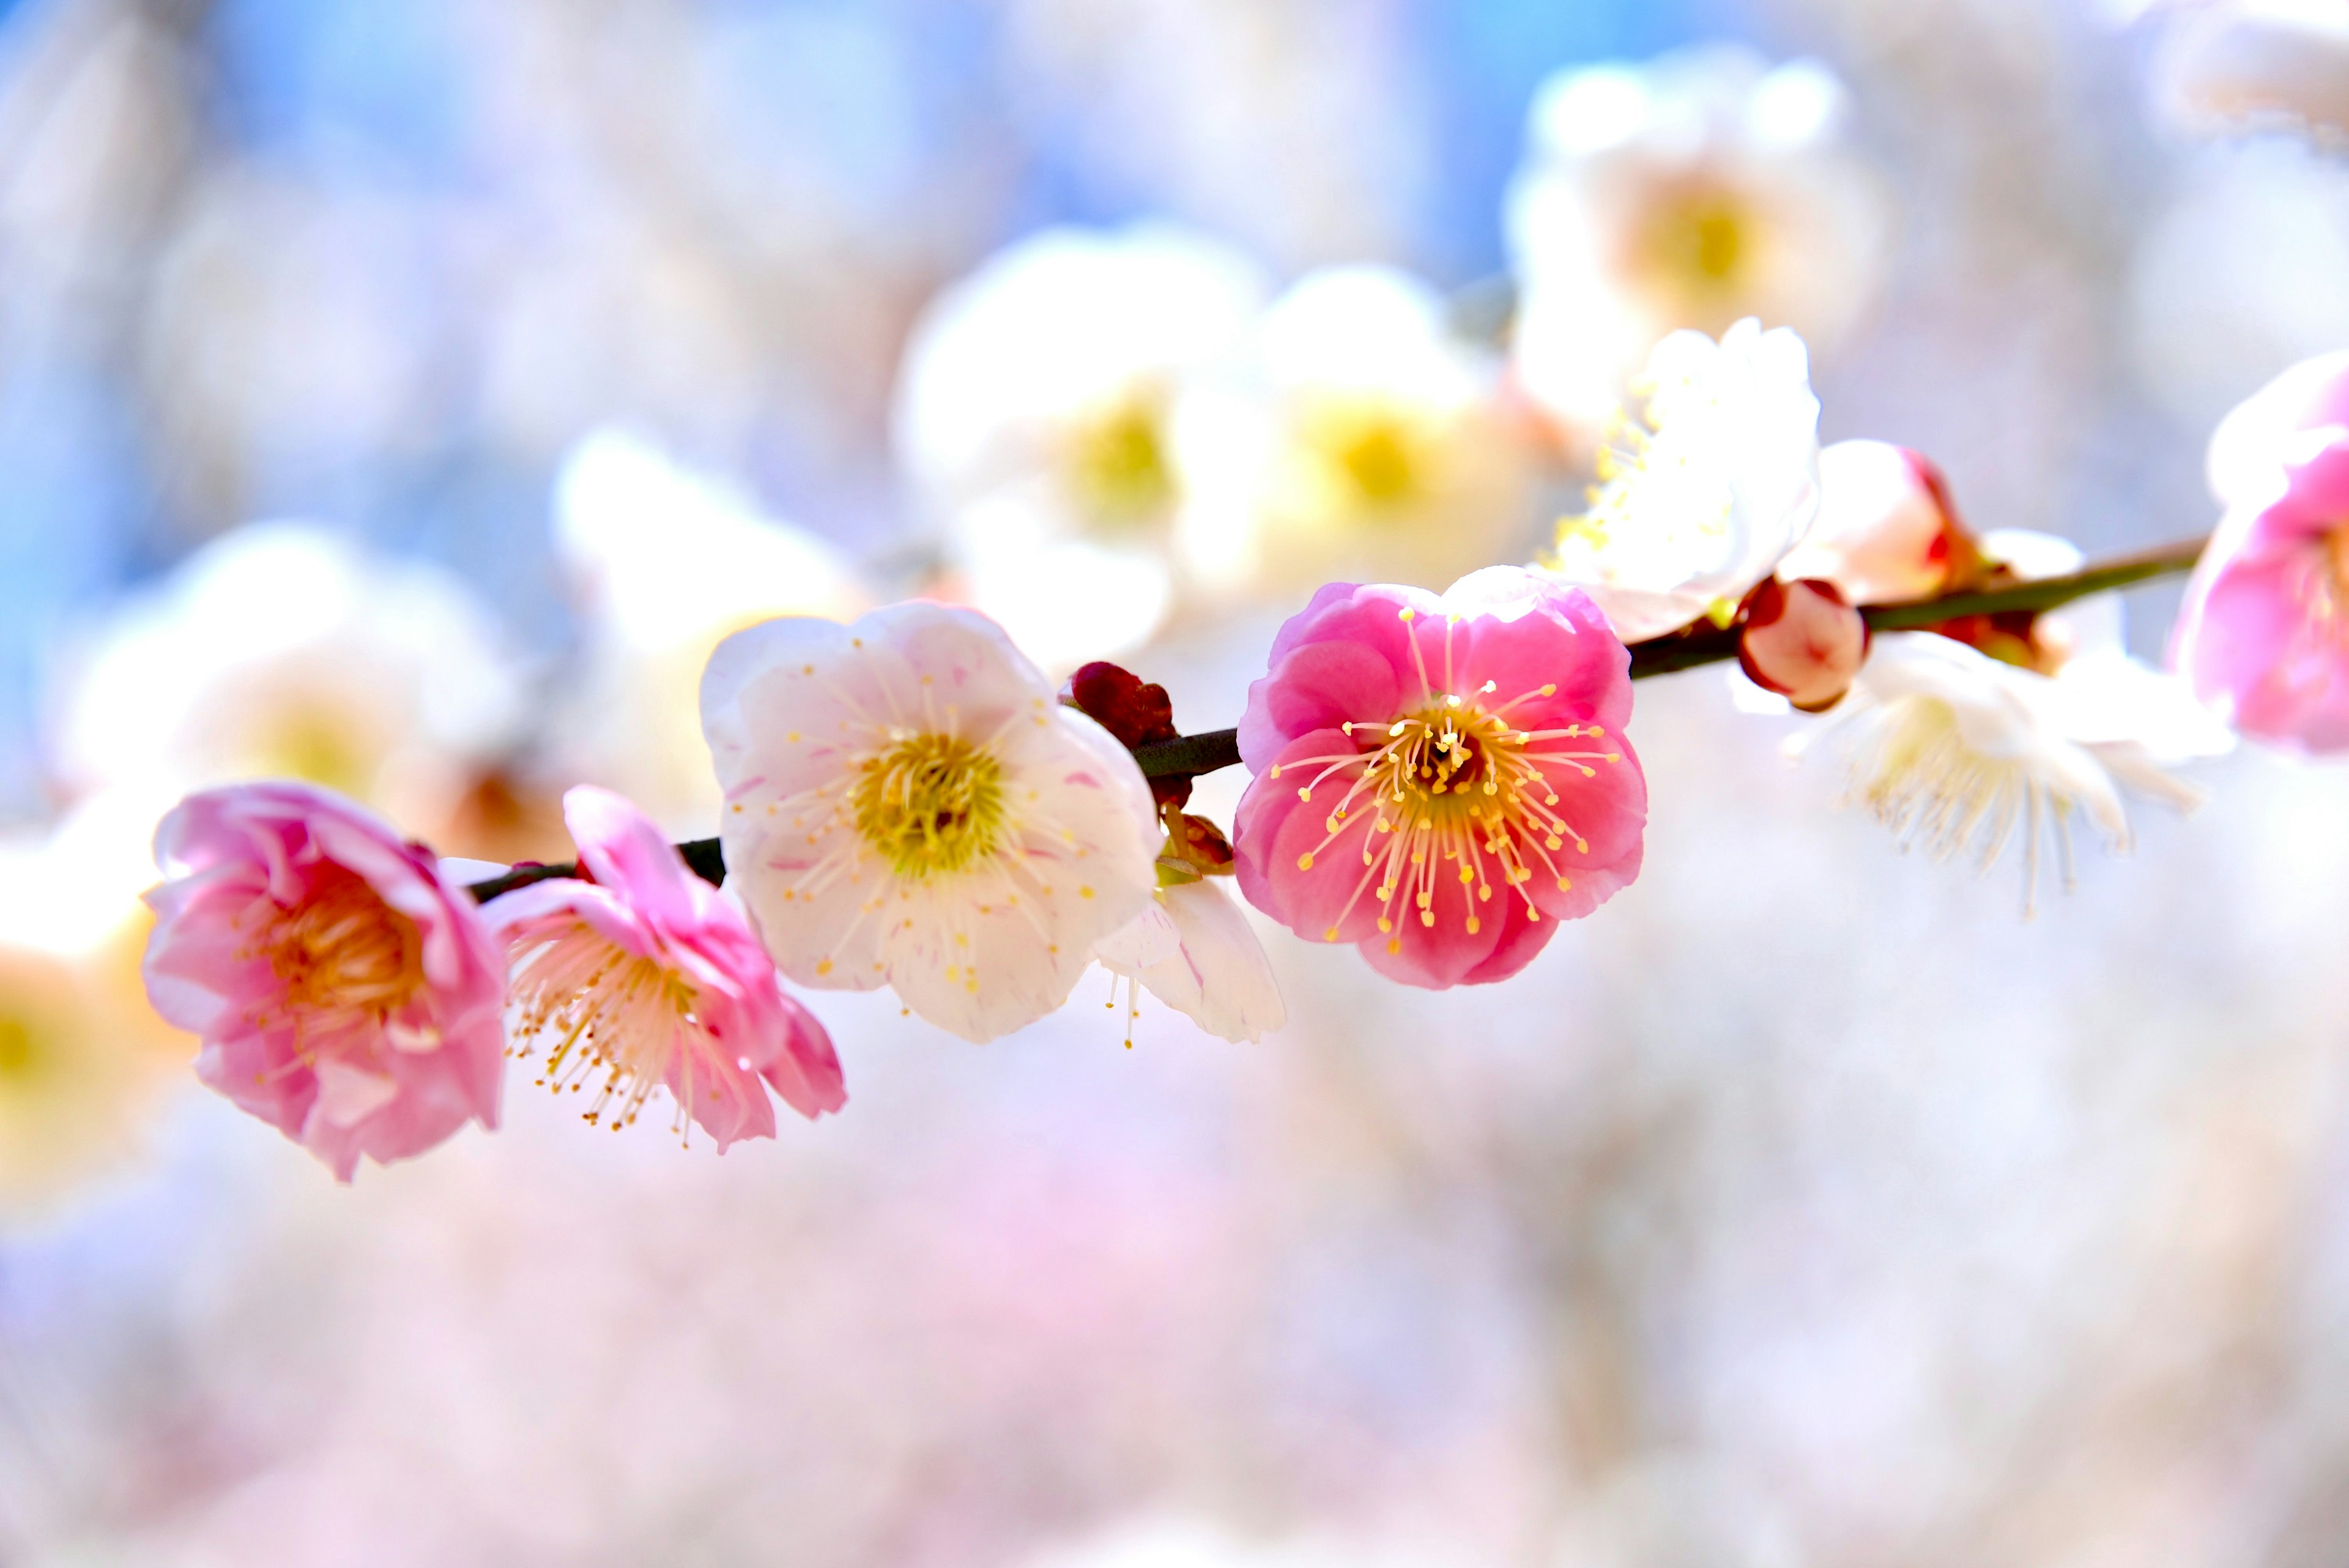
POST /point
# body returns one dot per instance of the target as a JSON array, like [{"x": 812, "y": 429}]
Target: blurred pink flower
[
  {"x": 647, "y": 975},
  {"x": 2263, "y": 635},
  {"x": 345, "y": 994},
  {"x": 1469, "y": 739},
  {"x": 1802, "y": 641}
]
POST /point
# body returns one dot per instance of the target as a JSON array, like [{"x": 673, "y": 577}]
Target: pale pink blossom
[
  {"x": 643, "y": 975},
  {"x": 2249, "y": 444},
  {"x": 908, "y": 803},
  {"x": 1192, "y": 948},
  {"x": 2263, "y": 634},
  {"x": 1803, "y": 641},
  {"x": 345, "y": 993},
  {"x": 1441, "y": 779},
  {"x": 1886, "y": 532}
]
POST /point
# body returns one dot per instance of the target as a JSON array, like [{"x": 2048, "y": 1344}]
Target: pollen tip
[
  {"x": 1305, "y": 862},
  {"x": 1330, "y": 935}
]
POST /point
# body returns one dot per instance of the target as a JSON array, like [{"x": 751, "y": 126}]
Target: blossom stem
[{"x": 1187, "y": 756}]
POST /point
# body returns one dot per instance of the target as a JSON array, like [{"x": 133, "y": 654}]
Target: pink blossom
[
  {"x": 2263, "y": 635},
  {"x": 345, "y": 994},
  {"x": 646, "y": 975},
  {"x": 1441, "y": 779},
  {"x": 1802, "y": 641}
]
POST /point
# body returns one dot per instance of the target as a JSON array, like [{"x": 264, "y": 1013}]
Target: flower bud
[
  {"x": 1802, "y": 641},
  {"x": 1886, "y": 532}
]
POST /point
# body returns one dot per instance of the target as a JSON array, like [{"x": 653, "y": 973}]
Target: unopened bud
[{"x": 1803, "y": 641}]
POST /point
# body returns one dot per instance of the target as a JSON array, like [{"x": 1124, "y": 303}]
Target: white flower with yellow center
[
  {"x": 907, "y": 803},
  {"x": 1955, "y": 749},
  {"x": 667, "y": 563},
  {"x": 283, "y": 651},
  {"x": 1700, "y": 188},
  {"x": 1366, "y": 444},
  {"x": 1703, "y": 491},
  {"x": 1035, "y": 410}
]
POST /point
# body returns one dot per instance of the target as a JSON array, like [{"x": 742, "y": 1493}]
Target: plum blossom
[
  {"x": 282, "y": 650},
  {"x": 1702, "y": 493},
  {"x": 344, "y": 992},
  {"x": 1441, "y": 779},
  {"x": 1960, "y": 737},
  {"x": 1035, "y": 413},
  {"x": 1886, "y": 531},
  {"x": 667, "y": 563},
  {"x": 1700, "y": 188},
  {"x": 645, "y": 976},
  {"x": 1192, "y": 948},
  {"x": 1368, "y": 441},
  {"x": 907, "y": 804},
  {"x": 2263, "y": 633},
  {"x": 2249, "y": 449}
]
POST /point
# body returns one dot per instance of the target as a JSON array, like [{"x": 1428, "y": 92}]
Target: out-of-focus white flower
[
  {"x": 1193, "y": 950},
  {"x": 1034, "y": 410},
  {"x": 2235, "y": 66},
  {"x": 667, "y": 565},
  {"x": 2239, "y": 275},
  {"x": 283, "y": 651},
  {"x": 1367, "y": 444},
  {"x": 1953, "y": 748},
  {"x": 84, "y": 1061},
  {"x": 1691, "y": 191},
  {"x": 1700, "y": 495}
]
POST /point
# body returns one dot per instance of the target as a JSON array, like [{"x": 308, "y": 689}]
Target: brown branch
[{"x": 1211, "y": 750}]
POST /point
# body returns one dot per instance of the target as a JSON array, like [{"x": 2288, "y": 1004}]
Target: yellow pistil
[
  {"x": 1455, "y": 792},
  {"x": 1117, "y": 464},
  {"x": 930, "y": 804},
  {"x": 345, "y": 957}
]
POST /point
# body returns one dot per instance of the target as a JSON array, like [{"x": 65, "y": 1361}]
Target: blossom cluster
[{"x": 1116, "y": 429}]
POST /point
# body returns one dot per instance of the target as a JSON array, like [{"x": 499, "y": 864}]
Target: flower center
[
  {"x": 929, "y": 805},
  {"x": 307, "y": 740},
  {"x": 2336, "y": 560},
  {"x": 1376, "y": 452},
  {"x": 1694, "y": 250},
  {"x": 1118, "y": 465},
  {"x": 343, "y": 955},
  {"x": 21, "y": 1057},
  {"x": 616, "y": 1019},
  {"x": 1455, "y": 792}
]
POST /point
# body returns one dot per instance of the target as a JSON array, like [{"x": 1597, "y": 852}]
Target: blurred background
[{"x": 406, "y": 394}]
